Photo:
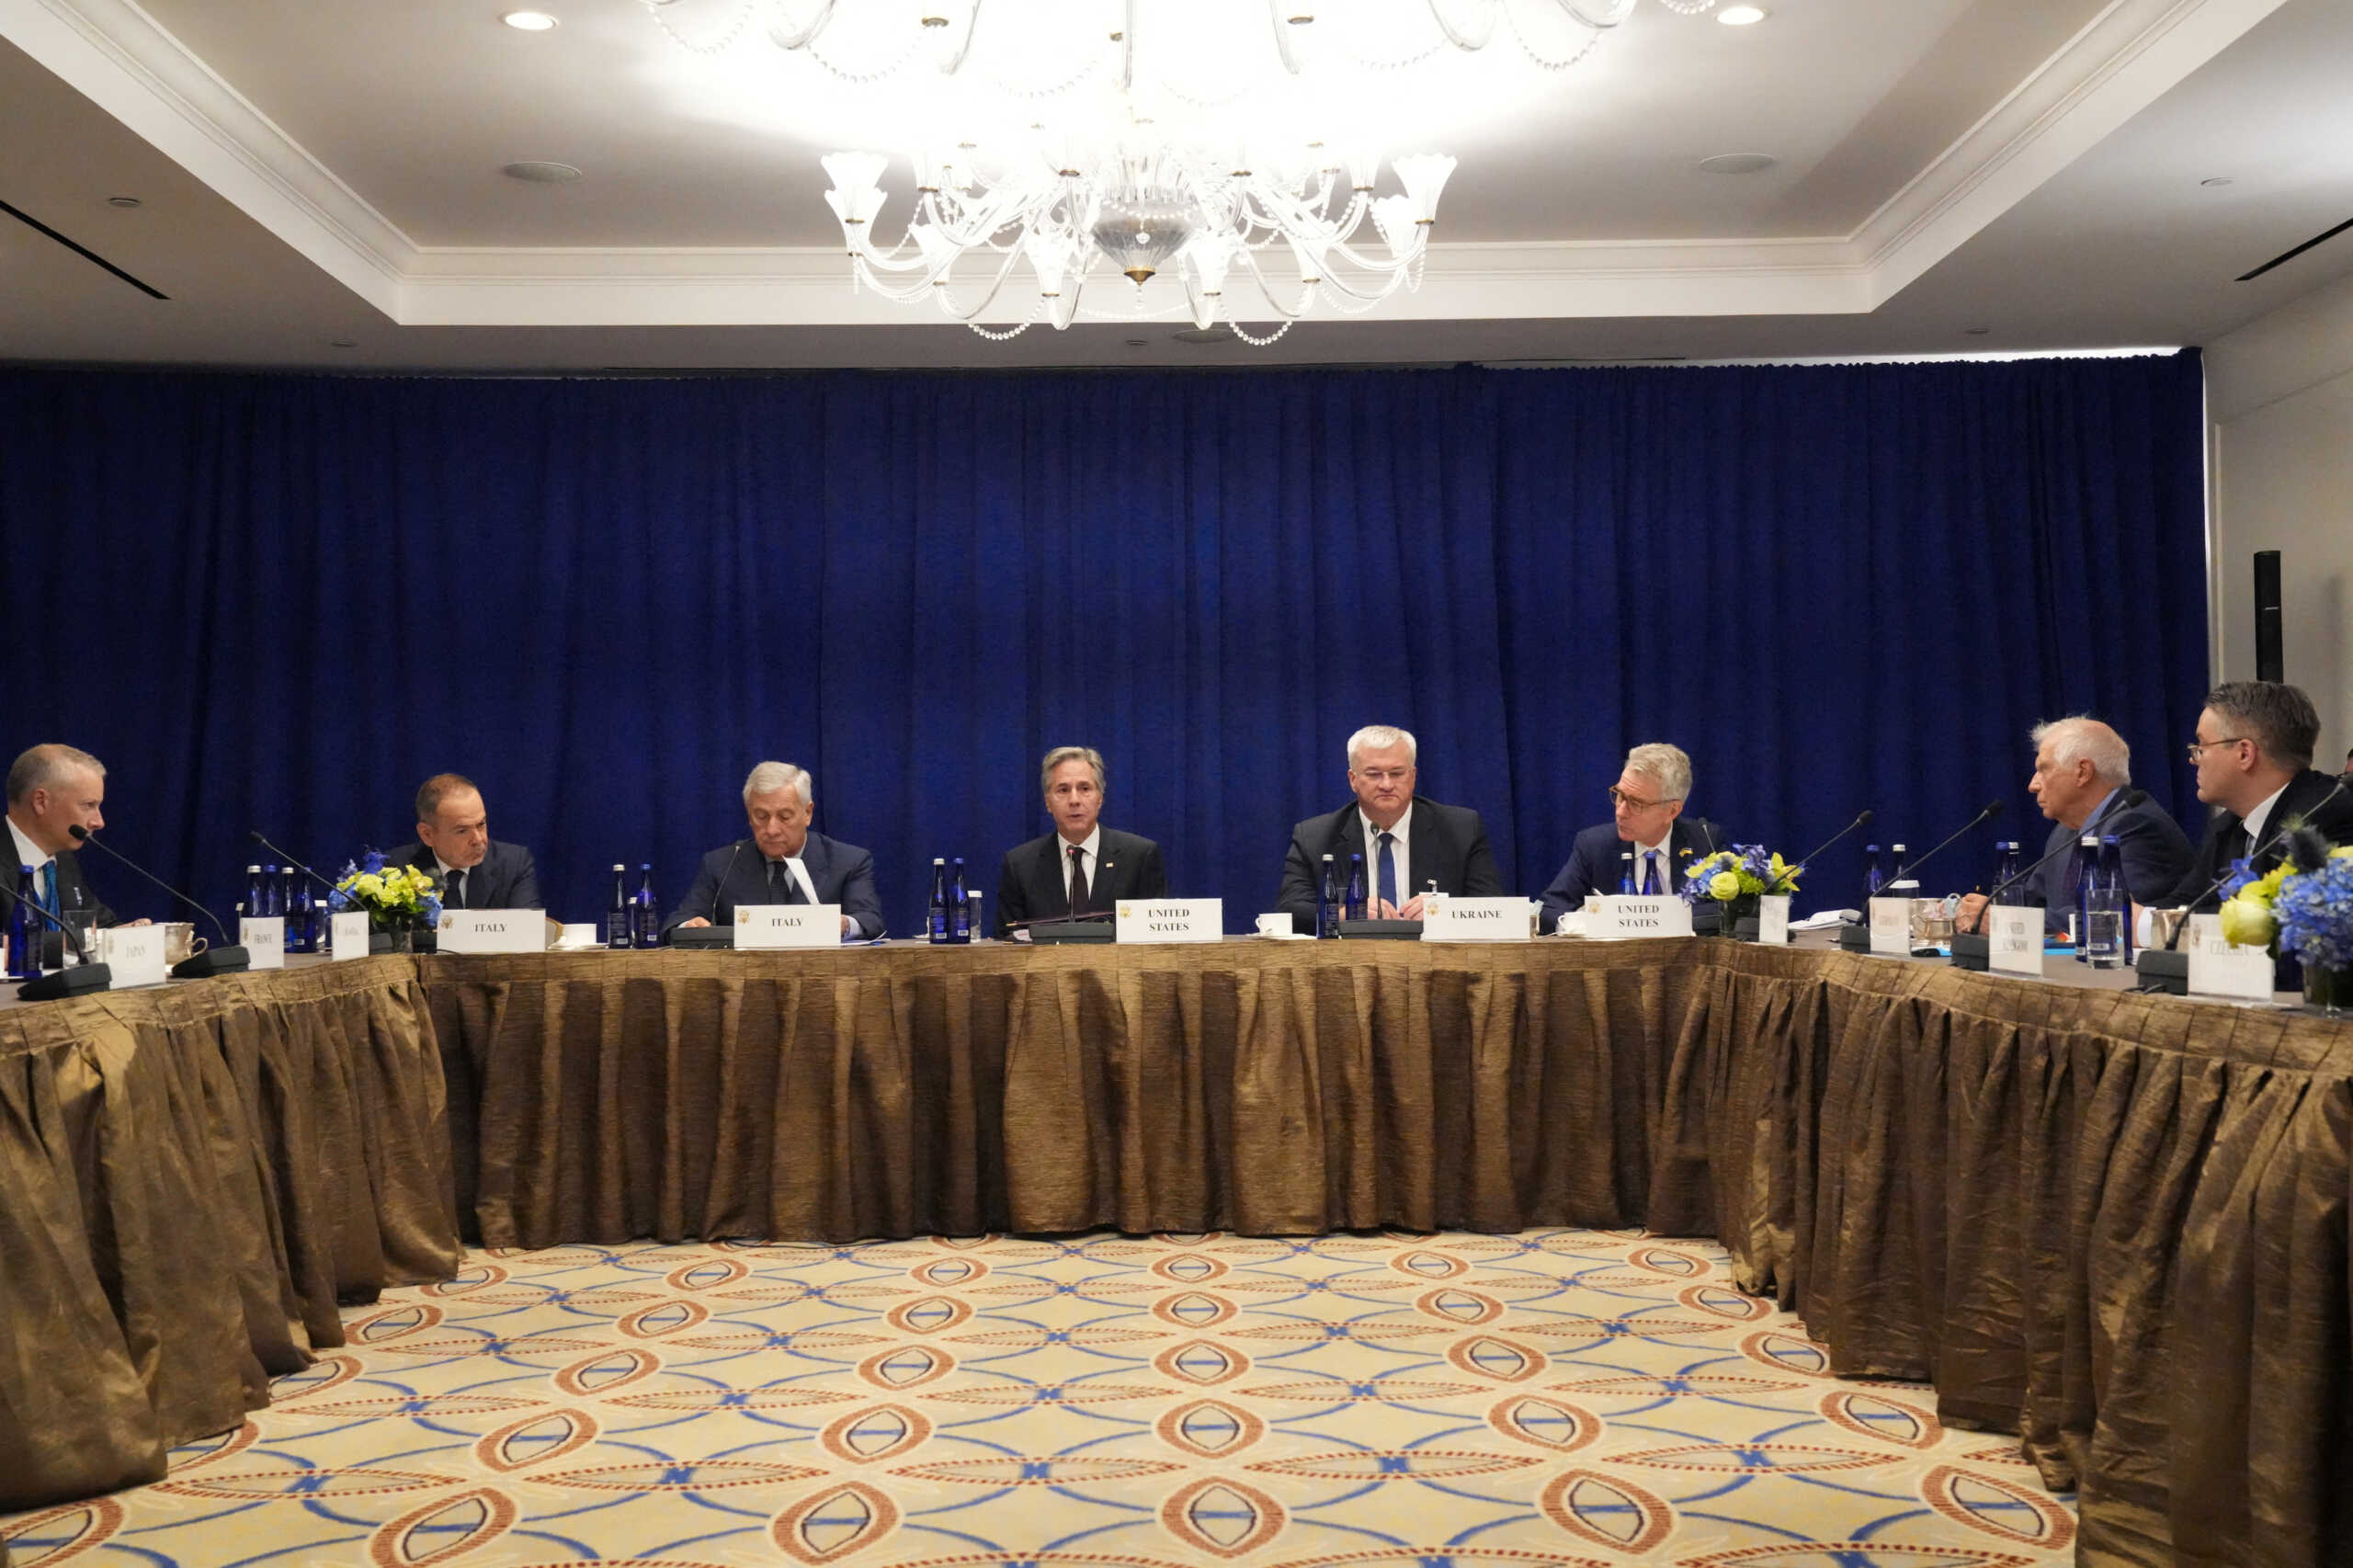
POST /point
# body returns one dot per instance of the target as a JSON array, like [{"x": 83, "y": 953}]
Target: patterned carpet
[{"x": 1456, "y": 1401}]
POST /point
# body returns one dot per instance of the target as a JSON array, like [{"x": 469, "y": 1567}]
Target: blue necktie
[
  {"x": 1650, "y": 874},
  {"x": 1388, "y": 872},
  {"x": 49, "y": 885}
]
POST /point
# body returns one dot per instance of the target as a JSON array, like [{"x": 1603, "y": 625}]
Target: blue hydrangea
[{"x": 2315, "y": 916}]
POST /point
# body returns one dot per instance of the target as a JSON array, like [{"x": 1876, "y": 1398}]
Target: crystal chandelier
[{"x": 1152, "y": 211}]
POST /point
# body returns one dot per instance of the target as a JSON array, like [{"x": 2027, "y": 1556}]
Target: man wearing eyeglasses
[
  {"x": 2253, "y": 755},
  {"x": 1648, "y": 822},
  {"x": 1409, "y": 844}
]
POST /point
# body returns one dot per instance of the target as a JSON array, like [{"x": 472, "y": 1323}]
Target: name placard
[
  {"x": 768, "y": 926},
  {"x": 493, "y": 931},
  {"x": 1616, "y": 917},
  {"x": 1454, "y": 919},
  {"x": 349, "y": 935},
  {"x": 263, "y": 938},
  {"x": 2218, "y": 968},
  {"x": 2014, "y": 938},
  {"x": 1773, "y": 919},
  {"x": 1891, "y": 927},
  {"x": 135, "y": 953},
  {"x": 1168, "y": 920}
]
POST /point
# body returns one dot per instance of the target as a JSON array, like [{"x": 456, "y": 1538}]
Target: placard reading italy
[
  {"x": 493, "y": 931},
  {"x": 768, "y": 926},
  {"x": 1169, "y": 920}
]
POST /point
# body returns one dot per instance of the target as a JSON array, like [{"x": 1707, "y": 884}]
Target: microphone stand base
[
  {"x": 212, "y": 961},
  {"x": 1855, "y": 938},
  {"x": 2163, "y": 971},
  {"x": 78, "y": 980},
  {"x": 1972, "y": 951}
]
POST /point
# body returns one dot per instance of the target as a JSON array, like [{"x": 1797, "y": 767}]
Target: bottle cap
[
  {"x": 252, "y": 870},
  {"x": 940, "y": 859},
  {"x": 1899, "y": 849},
  {"x": 619, "y": 867},
  {"x": 1327, "y": 857},
  {"x": 645, "y": 865}
]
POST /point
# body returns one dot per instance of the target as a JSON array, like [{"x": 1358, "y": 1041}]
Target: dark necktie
[
  {"x": 1078, "y": 881},
  {"x": 2242, "y": 843},
  {"x": 456, "y": 896},
  {"x": 1387, "y": 874}
]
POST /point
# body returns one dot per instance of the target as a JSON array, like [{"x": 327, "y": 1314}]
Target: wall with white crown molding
[{"x": 2279, "y": 402}]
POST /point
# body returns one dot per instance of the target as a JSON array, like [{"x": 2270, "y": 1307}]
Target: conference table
[{"x": 2113, "y": 1223}]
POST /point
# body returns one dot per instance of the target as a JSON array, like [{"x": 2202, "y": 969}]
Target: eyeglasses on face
[
  {"x": 1631, "y": 802},
  {"x": 2198, "y": 749}
]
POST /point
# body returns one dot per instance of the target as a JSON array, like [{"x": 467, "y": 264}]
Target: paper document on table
[{"x": 1822, "y": 920}]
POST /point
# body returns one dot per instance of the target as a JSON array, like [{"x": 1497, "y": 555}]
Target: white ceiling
[{"x": 312, "y": 174}]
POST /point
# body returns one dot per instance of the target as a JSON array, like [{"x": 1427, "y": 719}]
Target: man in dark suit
[
  {"x": 2083, "y": 770},
  {"x": 2253, "y": 755},
  {"x": 782, "y": 862},
  {"x": 1409, "y": 844},
  {"x": 1646, "y": 822},
  {"x": 472, "y": 869},
  {"x": 1082, "y": 868},
  {"x": 51, "y": 790}
]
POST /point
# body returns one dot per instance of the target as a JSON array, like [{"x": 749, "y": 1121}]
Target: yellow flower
[
  {"x": 2248, "y": 922},
  {"x": 1724, "y": 885}
]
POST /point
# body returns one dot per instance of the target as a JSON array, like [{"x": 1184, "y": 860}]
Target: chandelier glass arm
[{"x": 786, "y": 38}]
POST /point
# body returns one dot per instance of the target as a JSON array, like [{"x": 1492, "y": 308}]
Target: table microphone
[
  {"x": 1855, "y": 938},
  {"x": 227, "y": 959},
  {"x": 1861, "y": 818},
  {"x": 73, "y": 979},
  {"x": 290, "y": 859}
]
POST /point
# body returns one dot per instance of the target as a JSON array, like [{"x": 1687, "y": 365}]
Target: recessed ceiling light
[
  {"x": 529, "y": 21},
  {"x": 1737, "y": 163},
  {"x": 343, "y": 343},
  {"x": 123, "y": 201},
  {"x": 1217, "y": 334},
  {"x": 1741, "y": 16},
  {"x": 2218, "y": 179},
  {"x": 541, "y": 172},
  {"x": 1139, "y": 341},
  {"x": 1975, "y": 331}
]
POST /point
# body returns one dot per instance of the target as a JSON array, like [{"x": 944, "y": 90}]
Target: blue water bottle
[
  {"x": 649, "y": 913},
  {"x": 1874, "y": 871},
  {"x": 1327, "y": 902},
  {"x": 935, "y": 917},
  {"x": 1356, "y": 888},
  {"x": 23, "y": 940},
  {"x": 1626, "y": 873},
  {"x": 959, "y": 908},
  {"x": 300, "y": 937}
]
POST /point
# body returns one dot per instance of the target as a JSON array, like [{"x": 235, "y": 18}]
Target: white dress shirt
[
  {"x": 799, "y": 872},
  {"x": 1090, "y": 859},
  {"x": 27, "y": 855},
  {"x": 1398, "y": 857},
  {"x": 2253, "y": 821}
]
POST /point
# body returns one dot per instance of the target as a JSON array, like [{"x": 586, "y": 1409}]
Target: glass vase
[{"x": 2329, "y": 990}]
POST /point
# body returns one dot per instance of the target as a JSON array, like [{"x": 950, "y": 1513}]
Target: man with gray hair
[
  {"x": 783, "y": 861},
  {"x": 1410, "y": 845},
  {"x": 2083, "y": 770},
  {"x": 53, "y": 788},
  {"x": 1647, "y": 822},
  {"x": 1082, "y": 869}
]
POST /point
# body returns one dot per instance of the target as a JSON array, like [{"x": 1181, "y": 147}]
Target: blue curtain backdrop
[{"x": 281, "y": 601}]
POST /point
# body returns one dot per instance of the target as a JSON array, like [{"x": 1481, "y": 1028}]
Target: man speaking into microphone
[
  {"x": 53, "y": 789},
  {"x": 783, "y": 861},
  {"x": 1082, "y": 868}
]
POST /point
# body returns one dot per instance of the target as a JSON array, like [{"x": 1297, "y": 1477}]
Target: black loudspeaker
[{"x": 2270, "y": 664}]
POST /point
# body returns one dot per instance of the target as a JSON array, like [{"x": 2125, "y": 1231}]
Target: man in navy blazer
[
  {"x": 2083, "y": 770},
  {"x": 782, "y": 862},
  {"x": 1647, "y": 822},
  {"x": 2253, "y": 755},
  {"x": 1420, "y": 842},
  {"x": 453, "y": 847},
  {"x": 1082, "y": 868},
  {"x": 51, "y": 790}
]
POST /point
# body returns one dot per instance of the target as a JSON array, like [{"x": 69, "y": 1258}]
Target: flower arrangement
[
  {"x": 391, "y": 895},
  {"x": 1736, "y": 878},
  {"x": 2303, "y": 908}
]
